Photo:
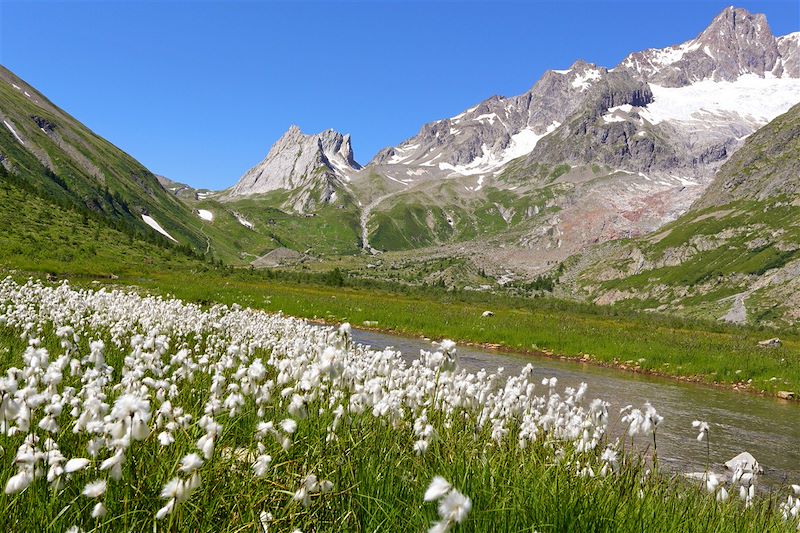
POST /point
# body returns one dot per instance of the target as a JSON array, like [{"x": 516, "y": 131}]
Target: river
[{"x": 767, "y": 428}]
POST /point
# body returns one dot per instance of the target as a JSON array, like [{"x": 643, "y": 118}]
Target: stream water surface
[{"x": 767, "y": 428}]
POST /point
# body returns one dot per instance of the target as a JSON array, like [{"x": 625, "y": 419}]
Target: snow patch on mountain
[
  {"x": 521, "y": 144},
  {"x": 205, "y": 214},
  {"x": 13, "y": 131},
  {"x": 673, "y": 54},
  {"x": 150, "y": 221},
  {"x": 243, "y": 221},
  {"x": 756, "y": 99},
  {"x": 584, "y": 80}
]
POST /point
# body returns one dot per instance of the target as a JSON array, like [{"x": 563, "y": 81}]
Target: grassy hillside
[
  {"x": 768, "y": 165},
  {"x": 64, "y": 161},
  {"x": 39, "y": 236},
  {"x": 442, "y": 213}
]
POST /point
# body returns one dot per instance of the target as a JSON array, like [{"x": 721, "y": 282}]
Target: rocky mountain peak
[
  {"x": 739, "y": 42},
  {"x": 737, "y": 22},
  {"x": 789, "y": 62},
  {"x": 734, "y": 44},
  {"x": 301, "y": 163}
]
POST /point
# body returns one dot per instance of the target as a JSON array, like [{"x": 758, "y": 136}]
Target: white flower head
[
  {"x": 190, "y": 463},
  {"x": 454, "y": 507},
  {"x": 439, "y": 487},
  {"x": 289, "y": 425},
  {"x": 702, "y": 427},
  {"x": 95, "y": 489},
  {"x": 73, "y": 465},
  {"x": 99, "y": 510},
  {"x": 19, "y": 482}
]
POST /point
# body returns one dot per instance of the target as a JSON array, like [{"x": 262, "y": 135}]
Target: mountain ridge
[{"x": 319, "y": 164}]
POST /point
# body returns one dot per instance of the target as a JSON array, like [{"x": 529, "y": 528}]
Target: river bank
[{"x": 630, "y": 367}]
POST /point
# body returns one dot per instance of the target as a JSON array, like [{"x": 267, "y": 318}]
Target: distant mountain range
[
  {"x": 579, "y": 175},
  {"x": 615, "y": 152}
]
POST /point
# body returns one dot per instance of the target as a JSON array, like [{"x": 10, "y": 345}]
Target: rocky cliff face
[
  {"x": 311, "y": 167},
  {"x": 735, "y": 43},
  {"x": 681, "y": 110}
]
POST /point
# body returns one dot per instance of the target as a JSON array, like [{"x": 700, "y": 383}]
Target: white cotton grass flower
[
  {"x": 19, "y": 482},
  {"x": 447, "y": 345},
  {"x": 174, "y": 488},
  {"x": 702, "y": 427},
  {"x": 261, "y": 465},
  {"x": 421, "y": 446},
  {"x": 76, "y": 464},
  {"x": 176, "y": 491},
  {"x": 309, "y": 486},
  {"x": 206, "y": 444},
  {"x": 95, "y": 489},
  {"x": 289, "y": 425},
  {"x": 167, "y": 509},
  {"x": 165, "y": 438},
  {"x": 439, "y": 487},
  {"x": 453, "y": 506},
  {"x": 265, "y": 517},
  {"x": 114, "y": 465},
  {"x": 190, "y": 463},
  {"x": 99, "y": 510},
  {"x": 652, "y": 415}
]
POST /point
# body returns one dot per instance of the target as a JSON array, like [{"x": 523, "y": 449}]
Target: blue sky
[{"x": 199, "y": 91}]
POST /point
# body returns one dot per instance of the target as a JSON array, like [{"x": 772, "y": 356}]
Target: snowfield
[
  {"x": 522, "y": 143},
  {"x": 756, "y": 99}
]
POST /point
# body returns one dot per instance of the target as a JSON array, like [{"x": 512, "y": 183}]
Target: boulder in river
[
  {"x": 786, "y": 395},
  {"x": 746, "y": 462}
]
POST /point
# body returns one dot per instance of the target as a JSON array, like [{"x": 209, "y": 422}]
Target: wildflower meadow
[{"x": 120, "y": 411}]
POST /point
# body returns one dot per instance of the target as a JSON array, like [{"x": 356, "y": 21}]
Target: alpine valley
[{"x": 669, "y": 182}]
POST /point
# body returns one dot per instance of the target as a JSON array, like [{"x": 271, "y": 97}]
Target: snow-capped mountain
[
  {"x": 735, "y": 43},
  {"x": 708, "y": 95},
  {"x": 734, "y": 78},
  {"x": 677, "y": 111},
  {"x": 484, "y": 138},
  {"x": 314, "y": 166}
]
